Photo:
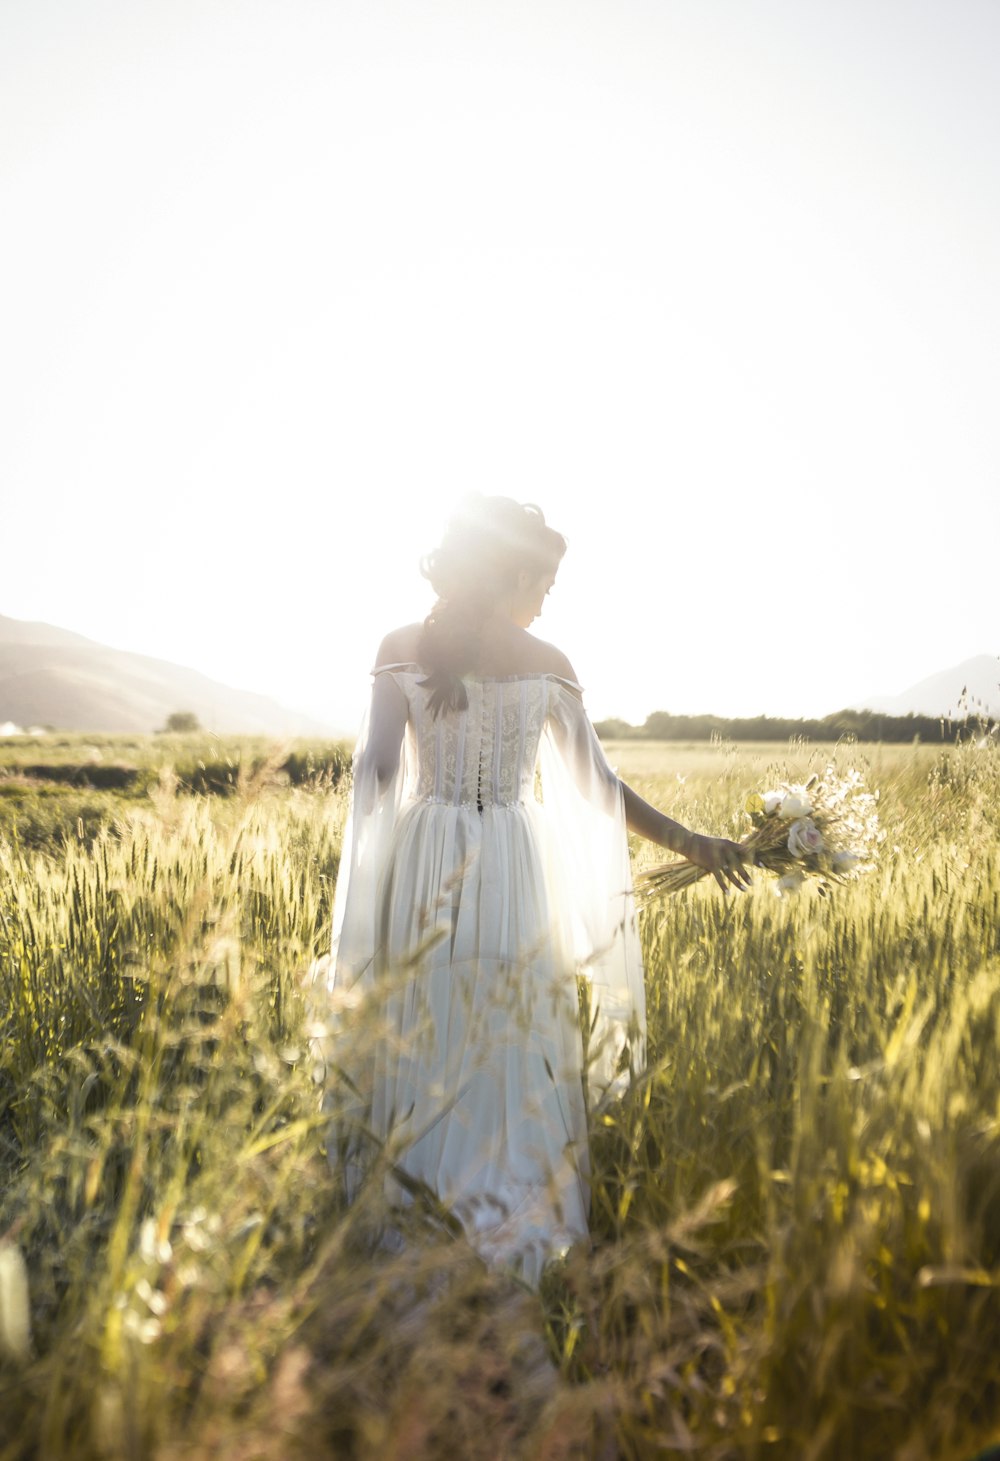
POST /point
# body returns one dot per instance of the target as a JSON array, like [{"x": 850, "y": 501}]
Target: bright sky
[{"x": 714, "y": 282}]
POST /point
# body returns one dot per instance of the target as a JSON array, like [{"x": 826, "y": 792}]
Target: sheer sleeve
[
  {"x": 590, "y": 868},
  {"x": 380, "y": 776}
]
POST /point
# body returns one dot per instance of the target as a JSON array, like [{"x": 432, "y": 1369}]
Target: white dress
[{"x": 466, "y": 906}]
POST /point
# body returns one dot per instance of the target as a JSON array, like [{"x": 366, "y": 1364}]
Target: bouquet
[{"x": 827, "y": 829}]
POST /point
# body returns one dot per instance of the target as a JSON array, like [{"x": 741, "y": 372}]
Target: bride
[{"x": 485, "y": 866}]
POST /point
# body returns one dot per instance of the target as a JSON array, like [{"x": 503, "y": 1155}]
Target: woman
[{"x": 466, "y": 907}]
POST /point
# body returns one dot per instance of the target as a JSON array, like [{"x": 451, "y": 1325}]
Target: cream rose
[{"x": 804, "y": 838}]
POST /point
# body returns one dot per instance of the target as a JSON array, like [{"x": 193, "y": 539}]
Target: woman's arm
[
  {"x": 387, "y": 722},
  {"x": 377, "y": 760},
  {"x": 725, "y": 860}
]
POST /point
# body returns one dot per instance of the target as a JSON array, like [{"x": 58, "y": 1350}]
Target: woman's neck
[{"x": 506, "y": 648}]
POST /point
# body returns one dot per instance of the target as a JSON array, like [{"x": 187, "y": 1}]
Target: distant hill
[
  {"x": 51, "y": 676},
  {"x": 971, "y": 688}
]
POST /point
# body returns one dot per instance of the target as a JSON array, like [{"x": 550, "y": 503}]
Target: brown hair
[{"x": 488, "y": 544}]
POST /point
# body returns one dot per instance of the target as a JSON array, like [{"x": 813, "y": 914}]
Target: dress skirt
[{"x": 478, "y": 884}]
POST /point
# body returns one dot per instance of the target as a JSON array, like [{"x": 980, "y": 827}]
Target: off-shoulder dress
[{"x": 485, "y": 867}]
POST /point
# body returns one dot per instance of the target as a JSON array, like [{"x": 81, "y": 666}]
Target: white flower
[
  {"x": 152, "y": 1298},
  {"x": 153, "y": 1248},
  {"x": 772, "y": 802},
  {"x": 200, "y": 1228},
  {"x": 790, "y": 883},
  {"x": 144, "y": 1330},
  {"x": 147, "y": 1240},
  {"x": 843, "y": 862},
  {"x": 804, "y": 838},
  {"x": 795, "y": 804}
]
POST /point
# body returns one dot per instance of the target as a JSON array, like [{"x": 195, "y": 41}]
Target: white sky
[{"x": 714, "y": 282}]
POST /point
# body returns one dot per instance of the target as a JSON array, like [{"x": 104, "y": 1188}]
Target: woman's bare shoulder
[
  {"x": 399, "y": 647},
  {"x": 549, "y": 660}
]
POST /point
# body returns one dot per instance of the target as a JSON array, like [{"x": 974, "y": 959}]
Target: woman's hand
[{"x": 725, "y": 860}]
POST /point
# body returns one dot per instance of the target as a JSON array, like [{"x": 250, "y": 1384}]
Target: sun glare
[{"x": 291, "y": 284}]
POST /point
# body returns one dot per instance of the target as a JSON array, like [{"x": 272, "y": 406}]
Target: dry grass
[{"x": 796, "y": 1211}]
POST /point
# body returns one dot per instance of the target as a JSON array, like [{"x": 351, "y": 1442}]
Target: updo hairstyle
[{"x": 487, "y": 545}]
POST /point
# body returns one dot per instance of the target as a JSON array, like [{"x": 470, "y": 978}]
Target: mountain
[
  {"x": 971, "y": 688},
  {"x": 50, "y": 676}
]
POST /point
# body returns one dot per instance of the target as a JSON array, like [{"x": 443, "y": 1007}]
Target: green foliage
[
  {"x": 222, "y": 776},
  {"x": 82, "y": 755},
  {"x": 858, "y": 725},
  {"x": 795, "y": 1209},
  {"x": 182, "y": 723},
  {"x": 55, "y": 788},
  {"x": 36, "y": 817}
]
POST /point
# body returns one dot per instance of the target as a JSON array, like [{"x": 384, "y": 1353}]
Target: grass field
[{"x": 795, "y": 1213}]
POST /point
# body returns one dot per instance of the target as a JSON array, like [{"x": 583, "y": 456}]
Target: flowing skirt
[{"x": 473, "y": 1082}]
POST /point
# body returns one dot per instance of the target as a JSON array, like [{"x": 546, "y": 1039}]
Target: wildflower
[
  {"x": 789, "y": 883},
  {"x": 144, "y": 1330},
  {"x": 153, "y": 1248}
]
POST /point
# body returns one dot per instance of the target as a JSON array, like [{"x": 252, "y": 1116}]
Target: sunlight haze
[{"x": 714, "y": 284}]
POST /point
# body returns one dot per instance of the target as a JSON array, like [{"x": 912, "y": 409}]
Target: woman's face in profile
[{"x": 530, "y": 598}]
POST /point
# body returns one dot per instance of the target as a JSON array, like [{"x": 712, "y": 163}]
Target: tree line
[{"x": 862, "y": 725}]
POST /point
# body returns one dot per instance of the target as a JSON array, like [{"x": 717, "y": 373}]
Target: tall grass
[{"x": 795, "y": 1211}]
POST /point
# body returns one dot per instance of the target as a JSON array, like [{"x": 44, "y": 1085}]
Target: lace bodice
[{"x": 483, "y": 756}]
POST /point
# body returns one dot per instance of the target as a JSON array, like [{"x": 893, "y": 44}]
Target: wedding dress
[{"x": 484, "y": 866}]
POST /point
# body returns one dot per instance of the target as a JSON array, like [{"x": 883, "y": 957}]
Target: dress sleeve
[
  {"x": 592, "y": 882},
  {"x": 380, "y": 776}
]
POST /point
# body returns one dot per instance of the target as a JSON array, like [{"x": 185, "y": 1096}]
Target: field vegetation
[
  {"x": 56, "y": 786},
  {"x": 859, "y": 725},
  {"x": 796, "y": 1208}
]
